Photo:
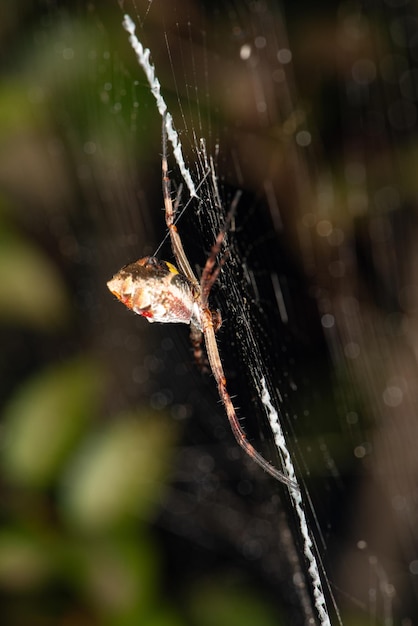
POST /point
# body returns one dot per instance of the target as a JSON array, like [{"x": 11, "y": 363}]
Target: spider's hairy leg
[
  {"x": 177, "y": 246},
  {"x": 210, "y": 273},
  {"x": 239, "y": 434},
  {"x": 196, "y": 339}
]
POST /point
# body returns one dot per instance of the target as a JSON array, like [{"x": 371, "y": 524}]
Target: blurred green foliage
[
  {"x": 44, "y": 419},
  {"x": 31, "y": 291},
  {"x": 78, "y": 493},
  {"x": 119, "y": 472},
  {"x": 92, "y": 538},
  {"x": 211, "y": 606}
]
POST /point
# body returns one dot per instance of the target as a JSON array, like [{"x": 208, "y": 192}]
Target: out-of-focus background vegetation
[
  {"x": 83, "y": 466},
  {"x": 95, "y": 403}
]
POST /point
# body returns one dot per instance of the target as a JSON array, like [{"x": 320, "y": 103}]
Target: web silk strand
[
  {"x": 319, "y": 597},
  {"x": 143, "y": 56}
]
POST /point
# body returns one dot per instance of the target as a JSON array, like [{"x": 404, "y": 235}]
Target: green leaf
[
  {"x": 24, "y": 562},
  {"x": 45, "y": 418},
  {"x": 32, "y": 292},
  {"x": 120, "y": 472}
]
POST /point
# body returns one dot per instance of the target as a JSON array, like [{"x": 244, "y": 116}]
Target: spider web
[{"x": 239, "y": 317}]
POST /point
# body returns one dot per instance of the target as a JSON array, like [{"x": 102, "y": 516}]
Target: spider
[{"x": 160, "y": 292}]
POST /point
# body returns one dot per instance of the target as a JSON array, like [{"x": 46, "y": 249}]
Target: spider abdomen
[{"x": 157, "y": 291}]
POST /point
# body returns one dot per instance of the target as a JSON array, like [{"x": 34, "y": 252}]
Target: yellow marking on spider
[{"x": 173, "y": 269}]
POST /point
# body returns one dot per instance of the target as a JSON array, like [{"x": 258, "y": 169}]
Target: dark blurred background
[{"x": 124, "y": 499}]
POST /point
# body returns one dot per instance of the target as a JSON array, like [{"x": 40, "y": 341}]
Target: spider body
[{"x": 158, "y": 291}]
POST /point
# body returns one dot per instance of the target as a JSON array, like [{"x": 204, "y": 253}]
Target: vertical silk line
[
  {"x": 295, "y": 494},
  {"x": 143, "y": 56}
]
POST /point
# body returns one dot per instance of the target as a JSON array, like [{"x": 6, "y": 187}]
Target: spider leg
[
  {"x": 196, "y": 338},
  {"x": 240, "y": 436},
  {"x": 177, "y": 200},
  {"x": 210, "y": 273},
  {"x": 178, "y": 250}
]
